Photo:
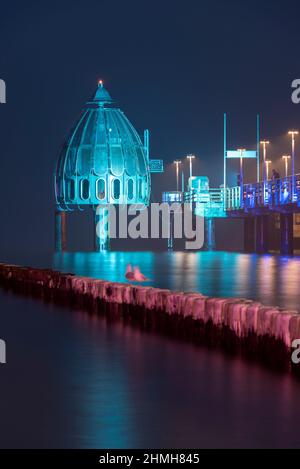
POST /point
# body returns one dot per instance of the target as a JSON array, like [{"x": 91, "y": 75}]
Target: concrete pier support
[
  {"x": 170, "y": 235},
  {"x": 210, "y": 239},
  {"x": 60, "y": 231},
  {"x": 170, "y": 232},
  {"x": 249, "y": 234},
  {"x": 102, "y": 230},
  {"x": 262, "y": 238},
  {"x": 287, "y": 234}
]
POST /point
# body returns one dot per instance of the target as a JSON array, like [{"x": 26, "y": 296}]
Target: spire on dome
[{"x": 102, "y": 95}]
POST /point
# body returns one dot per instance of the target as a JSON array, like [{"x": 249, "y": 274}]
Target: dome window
[
  {"x": 100, "y": 189},
  {"x": 85, "y": 189},
  {"x": 141, "y": 189},
  {"x": 130, "y": 193},
  {"x": 116, "y": 189}
]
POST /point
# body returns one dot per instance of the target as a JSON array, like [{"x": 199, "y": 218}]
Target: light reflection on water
[
  {"x": 76, "y": 380},
  {"x": 273, "y": 280}
]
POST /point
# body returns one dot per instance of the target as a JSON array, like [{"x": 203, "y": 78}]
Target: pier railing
[
  {"x": 208, "y": 203},
  {"x": 270, "y": 194}
]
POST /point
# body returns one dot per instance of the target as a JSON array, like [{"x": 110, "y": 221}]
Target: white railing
[
  {"x": 269, "y": 194},
  {"x": 208, "y": 203}
]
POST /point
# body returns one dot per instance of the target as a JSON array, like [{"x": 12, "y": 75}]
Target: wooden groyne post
[{"x": 248, "y": 328}]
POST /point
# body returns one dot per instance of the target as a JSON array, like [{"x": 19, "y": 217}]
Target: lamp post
[
  {"x": 241, "y": 152},
  {"x": 268, "y": 162},
  {"x": 191, "y": 158},
  {"x": 293, "y": 133},
  {"x": 286, "y": 159},
  {"x": 264, "y": 143},
  {"x": 177, "y": 163}
]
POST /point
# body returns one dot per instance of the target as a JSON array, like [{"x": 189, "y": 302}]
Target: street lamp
[
  {"x": 293, "y": 133},
  {"x": 268, "y": 162},
  {"x": 177, "y": 163},
  {"x": 191, "y": 158},
  {"x": 241, "y": 152},
  {"x": 286, "y": 159},
  {"x": 264, "y": 143}
]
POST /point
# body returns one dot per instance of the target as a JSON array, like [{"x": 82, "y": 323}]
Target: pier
[{"x": 118, "y": 172}]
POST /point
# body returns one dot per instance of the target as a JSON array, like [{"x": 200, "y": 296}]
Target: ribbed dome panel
[{"x": 103, "y": 159}]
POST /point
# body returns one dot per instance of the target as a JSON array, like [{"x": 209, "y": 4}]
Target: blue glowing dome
[{"x": 103, "y": 159}]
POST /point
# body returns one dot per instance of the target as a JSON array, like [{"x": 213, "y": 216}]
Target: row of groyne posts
[{"x": 260, "y": 333}]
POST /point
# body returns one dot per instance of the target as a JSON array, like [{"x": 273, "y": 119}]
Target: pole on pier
[
  {"x": 262, "y": 229},
  {"x": 258, "y": 146},
  {"x": 293, "y": 133},
  {"x": 287, "y": 234},
  {"x": 60, "y": 231},
  {"x": 241, "y": 182},
  {"x": 147, "y": 143},
  {"x": 102, "y": 229},
  {"x": 225, "y": 156}
]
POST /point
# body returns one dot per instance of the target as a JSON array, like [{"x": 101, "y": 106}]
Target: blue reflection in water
[
  {"x": 272, "y": 280},
  {"x": 75, "y": 380}
]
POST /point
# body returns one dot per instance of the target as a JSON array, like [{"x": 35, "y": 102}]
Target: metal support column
[
  {"x": 287, "y": 234},
  {"x": 262, "y": 229},
  {"x": 210, "y": 240},
  {"x": 102, "y": 230},
  {"x": 170, "y": 232},
  {"x": 60, "y": 231},
  {"x": 249, "y": 234}
]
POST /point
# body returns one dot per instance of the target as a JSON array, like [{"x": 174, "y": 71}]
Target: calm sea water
[
  {"x": 74, "y": 380},
  {"x": 274, "y": 280}
]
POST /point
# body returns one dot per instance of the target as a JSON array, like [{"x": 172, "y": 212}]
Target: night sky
[{"x": 173, "y": 67}]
